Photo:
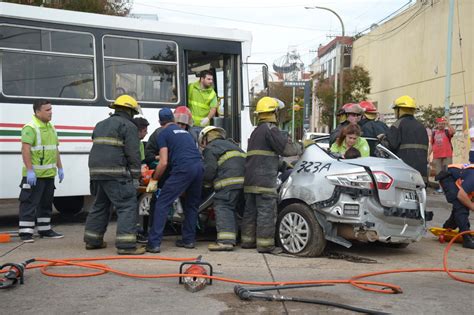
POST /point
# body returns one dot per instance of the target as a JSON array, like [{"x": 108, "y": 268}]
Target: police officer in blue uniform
[{"x": 458, "y": 187}]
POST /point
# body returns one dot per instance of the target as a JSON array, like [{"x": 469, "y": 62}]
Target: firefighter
[
  {"x": 458, "y": 187},
  {"x": 370, "y": 126},
  {"x": 265, "y": 145},
  {"x": 178, "y": 150},
  {"x": 350, "y": 113},
  {"x": 224, "y": 164},
  {"x": 407, "y": 137},
  {"x": 114, "y": 167}
]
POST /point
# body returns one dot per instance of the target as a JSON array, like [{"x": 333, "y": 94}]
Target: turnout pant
[
  {"x": 187, "y": 180},
  {"x": 460, "y": 214},
  {"x": 36, "y": 205},
  {"x": 258, "y": 223},
  {"x": 122, "y": 195},
  {"x": 225, "y": 203}
]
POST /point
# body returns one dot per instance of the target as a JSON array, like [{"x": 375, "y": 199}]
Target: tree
[
  {"x": 427, "y": 114},
  {"x": 356, "y": 87},
  {"x": 108, "y": 7}
]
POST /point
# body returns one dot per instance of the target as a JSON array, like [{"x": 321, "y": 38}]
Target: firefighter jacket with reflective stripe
[
  {"x": 115, "y": 152},
  {"x": 44, "y": 147},
  {"x": 265, "y": 146},
  {"x": 200, "y": 102},
  {"x": 408, "y": 139},
  {"x": 224, "y": 164}
]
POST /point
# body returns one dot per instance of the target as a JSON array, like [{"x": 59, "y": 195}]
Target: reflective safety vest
[
  {"x": 460, "y": 180},
  {"x": 44, "y": 149},
  {"x": 200, "y": 102}
]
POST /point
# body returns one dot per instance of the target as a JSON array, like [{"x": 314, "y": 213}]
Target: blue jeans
[{"x": 188, "y": 179}]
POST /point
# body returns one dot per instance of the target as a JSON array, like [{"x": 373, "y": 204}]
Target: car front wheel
[{"x": 299, "y": 233}]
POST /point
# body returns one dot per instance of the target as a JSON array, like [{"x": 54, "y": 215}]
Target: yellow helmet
[
  {"x": 128, "y": 102},
  {"x": 206, "y": 130},
  {"x": 404, "y": 101},
  {"x": 268, "y": 104}
]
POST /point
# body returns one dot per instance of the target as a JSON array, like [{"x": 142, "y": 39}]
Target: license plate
[{"x": 411, "y": 196}]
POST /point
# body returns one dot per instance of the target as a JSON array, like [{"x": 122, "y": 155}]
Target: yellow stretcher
[{"x": 445, "y": 235}]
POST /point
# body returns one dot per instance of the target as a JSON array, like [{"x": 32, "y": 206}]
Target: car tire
[{"x": 298, "y": 231}]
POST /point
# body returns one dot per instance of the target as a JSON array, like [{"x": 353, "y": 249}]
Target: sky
[{"x": 277, "y": 26}]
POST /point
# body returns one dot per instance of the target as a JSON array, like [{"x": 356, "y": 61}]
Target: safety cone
[{"x": 5, "y": 238}]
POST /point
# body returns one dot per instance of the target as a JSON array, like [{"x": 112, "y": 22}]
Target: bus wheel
[{"x": 70, "y": 205}]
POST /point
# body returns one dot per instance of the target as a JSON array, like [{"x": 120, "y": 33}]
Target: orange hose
[{"x": 355, "y": 281}]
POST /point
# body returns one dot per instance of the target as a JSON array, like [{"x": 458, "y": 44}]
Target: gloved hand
[
  {"x": 31, "y": 177},
  {"x": 152, "y": 185},
  {"x": 60, "y": 174},
  {"x": 205, "y": 122}
]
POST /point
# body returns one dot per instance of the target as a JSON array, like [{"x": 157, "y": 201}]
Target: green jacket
[
  {"x": 362, "y": 145},
  {"x": 44, "y": 147},
  {"x": 200, "y": 102}
]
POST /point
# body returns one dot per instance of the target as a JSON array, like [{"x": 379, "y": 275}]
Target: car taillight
[
  {"x": 384, "y": 181},
  {"x": 361, "y": 180}
]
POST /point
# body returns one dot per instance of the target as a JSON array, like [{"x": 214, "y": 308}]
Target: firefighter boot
[
  {"x": 93, "y": 246},
  {"x": 468, "y": 241},
  {"x": 131, "y": 251},
  {"x": 220, "y": 247}
]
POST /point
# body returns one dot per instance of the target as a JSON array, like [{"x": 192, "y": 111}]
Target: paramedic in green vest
[
  {"x": 39, "y": 149},
  {"x": 202, "y": 101}
]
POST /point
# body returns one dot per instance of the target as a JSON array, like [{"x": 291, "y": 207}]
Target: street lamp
[{"x": 341, "y": 65}]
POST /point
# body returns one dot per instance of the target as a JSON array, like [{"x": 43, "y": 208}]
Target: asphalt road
[{"x": 433, "y": 292}]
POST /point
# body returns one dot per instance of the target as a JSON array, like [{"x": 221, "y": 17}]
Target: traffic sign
[{"x": 294, "y": 83}]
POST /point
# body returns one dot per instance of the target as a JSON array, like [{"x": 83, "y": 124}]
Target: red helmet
[
  {"x": 368, "y": 106},
  {"x": 441, "y": 120},
  {"x": 346, "y": 106},
  {"x": 183, "y": 115}
]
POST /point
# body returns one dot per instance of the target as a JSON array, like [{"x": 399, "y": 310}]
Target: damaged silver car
[{"x": 326, "y": 198}]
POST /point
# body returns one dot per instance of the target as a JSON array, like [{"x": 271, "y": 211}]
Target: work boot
[
  {"x": 27, "y": 237},
  {"x": 50, "y": 234},
  {"x": 93, "y": 246},
  {"x": 468, "y": 241},
  {"x": 131, "y": 251},
  {"x": 153, "y": 250},
  {"x": 142, "y": 238},
  {"x": 180, "y": 243},
  {"x": 220, "y": 247},
  {"x": 270, "y": 250}
]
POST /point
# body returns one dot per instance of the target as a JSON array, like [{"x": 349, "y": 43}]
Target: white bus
[{"x": 82, "y": 62}]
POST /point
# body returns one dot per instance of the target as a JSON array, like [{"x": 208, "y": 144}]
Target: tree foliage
[
  {"x": 356, "y": 87},
  {"x": 427, "y": 114},
  {"x": 120, "y": 8}
]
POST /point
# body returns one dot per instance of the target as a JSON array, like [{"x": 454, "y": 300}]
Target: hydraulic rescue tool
[
  {"x": 14, "y": 274},
  {"x": 197, "y": 268},
  {"x": 247, "y": 294}
]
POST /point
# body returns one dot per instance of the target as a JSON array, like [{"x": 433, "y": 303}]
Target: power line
[
  {"x": 229, "y": 7},
  {"x": 236, "y": 20}
]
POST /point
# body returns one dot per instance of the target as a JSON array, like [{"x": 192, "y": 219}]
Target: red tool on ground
[{"x": 194, "y": 283}]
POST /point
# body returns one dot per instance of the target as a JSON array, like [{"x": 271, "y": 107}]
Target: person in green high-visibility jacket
[
  {"x": 39, "y": 149},
  {"x": 202, "y": 101}
]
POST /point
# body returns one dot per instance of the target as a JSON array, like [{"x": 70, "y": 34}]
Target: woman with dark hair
[{"x": 349, "y": 137}]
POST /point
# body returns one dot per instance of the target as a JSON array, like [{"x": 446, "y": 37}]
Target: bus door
[{"x": 226, "y": 85}]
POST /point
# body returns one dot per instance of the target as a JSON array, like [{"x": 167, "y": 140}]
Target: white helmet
[{"x": 206, "y": 130}]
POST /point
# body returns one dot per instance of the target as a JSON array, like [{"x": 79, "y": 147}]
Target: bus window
[
  {"x": 51, "y": 63},
  {"x": 145, "y": 69}
]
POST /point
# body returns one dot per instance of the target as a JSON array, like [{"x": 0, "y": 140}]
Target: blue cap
[{"x": 166, "y": 115}]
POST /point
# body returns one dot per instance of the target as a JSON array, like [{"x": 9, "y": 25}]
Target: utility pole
[
  {"x": 341, "y": 61},
  {"x": 447, "y": 82}
]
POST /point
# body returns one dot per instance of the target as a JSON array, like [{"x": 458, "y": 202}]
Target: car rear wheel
[
  {"x": 299, "y": 233},
  {"x": 69, "y": 205}
]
